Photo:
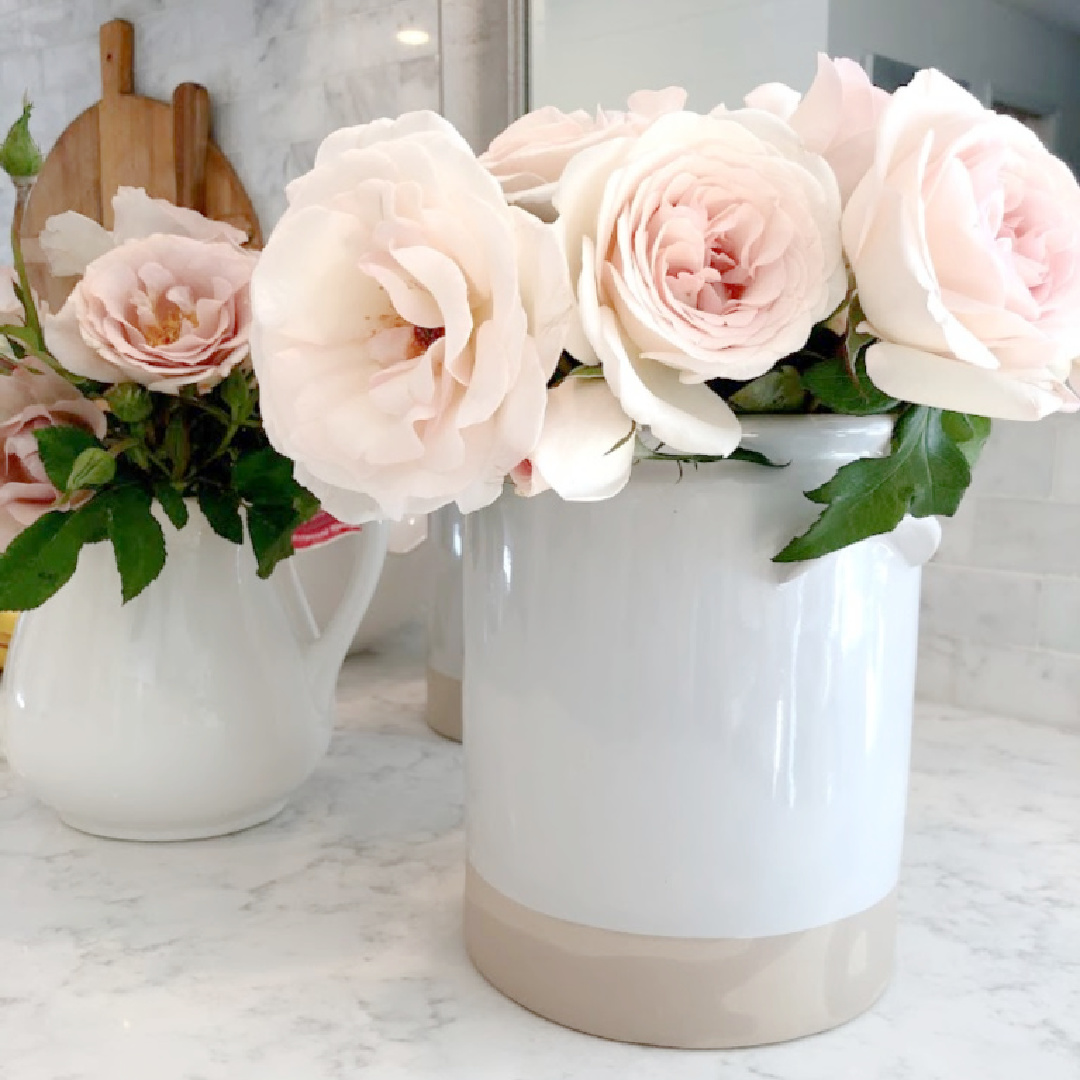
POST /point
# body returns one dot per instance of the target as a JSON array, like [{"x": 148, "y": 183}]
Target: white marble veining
[
  {"x": 1001, "y": 602},
  {"x": 325, "y": 945},
  {"x": 282, "y": 74}
]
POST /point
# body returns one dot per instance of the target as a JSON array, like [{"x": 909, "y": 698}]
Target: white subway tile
[
  {"x": 1028, "y": 683},
  {"x": 936, "y": 677},
  {"x": 988, "y": 606},
  {"x": 1026, "y": 535},
  {"x": 1017, "y": 461},
  {"x": 1059, "y": 615},
  {"x": 1067, "y": 459}
]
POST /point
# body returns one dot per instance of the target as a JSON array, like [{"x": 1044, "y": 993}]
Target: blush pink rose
[
  {"x": 71, "y": 242},
  {"x": 29, "y": 401},
  {"x": 586, "y": 448},
  {"x": 530, "y": 155},
  {"x": 407, "y": 321},
  {"x": 165, "y": 311},
  {"x": 838, "y": 117},
  {"x": 705, "y": 248},
  {"x": 964, "y": 239}
]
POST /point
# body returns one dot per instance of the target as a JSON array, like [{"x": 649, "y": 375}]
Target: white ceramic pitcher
[{"x": 192, "y": 711}]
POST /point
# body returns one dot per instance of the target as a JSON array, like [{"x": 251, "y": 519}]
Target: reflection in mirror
[
  {"x": 1017, "y": 56},
  {"x": 588, "y": 52}
]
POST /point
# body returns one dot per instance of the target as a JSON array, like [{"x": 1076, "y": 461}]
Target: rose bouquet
[
  {"x": 134, "y": 401},
  {"x": 594, "y": 290}
]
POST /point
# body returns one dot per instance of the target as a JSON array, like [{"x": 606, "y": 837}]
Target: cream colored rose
[
  {"x": 838, "y": 117},
  {"x": 586, "y": 448},
  {"x": 705, "y": 248},
  {"x": 406, "y": 323},
  {"x": 964, "y": 239},
  {"x": 166, "y": 312},
  {"x": 71, "y": 242},
  {"x": 31, "y": 400},
  {"x": 530, "y": 155}
]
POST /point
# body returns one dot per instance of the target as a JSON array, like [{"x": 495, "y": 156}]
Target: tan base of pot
[
  {"x": 444, "y": 704},
  {"x": 679, "y": 992}
]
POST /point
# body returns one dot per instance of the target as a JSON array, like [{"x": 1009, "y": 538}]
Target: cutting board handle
[
  {"x": 117, "y": 41},
  {"x": 191, "y": 140}
]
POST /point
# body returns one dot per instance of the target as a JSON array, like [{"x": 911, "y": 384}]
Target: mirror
[{"x": 1016, "y": 55}]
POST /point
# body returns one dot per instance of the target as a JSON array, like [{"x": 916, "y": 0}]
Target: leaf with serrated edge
[
  {"x": 265, "y": 476},
  {"x": 44, "y": 555},
  {"x": 172, "y": 502},
  {"x": 271, "y": 529},
  {"x": 832, "y": 384},
  {"x": 59, "y": 446},
  {"x": 925, "y": 474},
  {"x": 222, "y": 510},
  {"x": 137, "y": 538}
]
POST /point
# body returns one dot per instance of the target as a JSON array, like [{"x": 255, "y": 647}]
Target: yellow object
[{"x": 8, "y": 619}]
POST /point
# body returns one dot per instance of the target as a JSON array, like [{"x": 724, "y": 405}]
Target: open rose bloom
[{"x": 416, "y": 346}]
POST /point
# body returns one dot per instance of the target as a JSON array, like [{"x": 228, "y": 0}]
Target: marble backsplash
[
  {"x": 1001, "y": 612},
  {"x": 1001, "y": 601},
  {"x": 281, "y": 73}
]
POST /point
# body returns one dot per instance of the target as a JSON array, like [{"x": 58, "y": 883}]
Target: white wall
[
  {"x": 1024, "y": 60},
  {"x": 281, "y": 73},
  {"x": 1001, "y": 602},
  {"x": 590, "y": 52}
]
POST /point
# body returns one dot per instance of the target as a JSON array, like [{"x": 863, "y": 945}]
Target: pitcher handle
[{"x": 327, "y": 652}]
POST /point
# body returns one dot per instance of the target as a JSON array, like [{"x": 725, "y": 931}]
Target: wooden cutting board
[{"x": 134, "y": 141}]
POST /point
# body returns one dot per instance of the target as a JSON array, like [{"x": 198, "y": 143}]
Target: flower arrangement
[
  {"x": 134, "y": 401},
  {"x": 426, "y": 326},
  {"x": 594, "y": 290}
]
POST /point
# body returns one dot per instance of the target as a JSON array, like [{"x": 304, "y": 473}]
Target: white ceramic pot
[
  {"x": 445, "y": 626},
  {"x": 402, "y": 597},
  {"x": 194, "y": 710},
  {"x": 686, "y": 766}
]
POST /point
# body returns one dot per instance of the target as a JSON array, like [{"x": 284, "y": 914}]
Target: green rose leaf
[
  {"x": 44, "y": 555},
  {"x": 968, "y": 432},
  {"x": 137, "y": 539},
  {"x": 271, "y": 528},
  {"x": 59, "y": 448},
  {"x": 857, "y": 337},
  {"x": 832, "y": 383},
  {"x": 236, "y": 392},
  {"x": 775, "y": 391},
  {"x": 94, "y": 467},
  {"x": 926, "y": 473},
  {"x": 172, "y": 502},
  {"x": 222, "y": 509},
  {"x": 177, "y": 444},
  {"x": 130, "y": 402},
  {"x": 265, "y": 476}
]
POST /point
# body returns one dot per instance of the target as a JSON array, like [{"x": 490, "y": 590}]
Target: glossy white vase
[
  {"x": 686, "y": 766},
  {"x": 445, "y": 623},
  {"x": 192, "y": 711},
  {"x": 402, "y": 598}
]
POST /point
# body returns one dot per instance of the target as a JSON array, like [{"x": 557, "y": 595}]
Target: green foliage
[
  {"x": 60, "y": 447},
  {"x": 94, "y": 467},
  {"x": 221, "y": 507},
  {"x": 844, "y": 389},
  {"x": 20, "y": 157},
  {"x": 43, "y": 556},
  {"x": 926, "y": 473},
  {"x": 778, "y": 391},
  {"x": 137, "y": 539},
  {"x": 130, "y": 403},
  {"x": 172, "y": 502}
]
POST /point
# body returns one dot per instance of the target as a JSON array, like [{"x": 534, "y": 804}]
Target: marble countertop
[{"x": 325, "y": 945}]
